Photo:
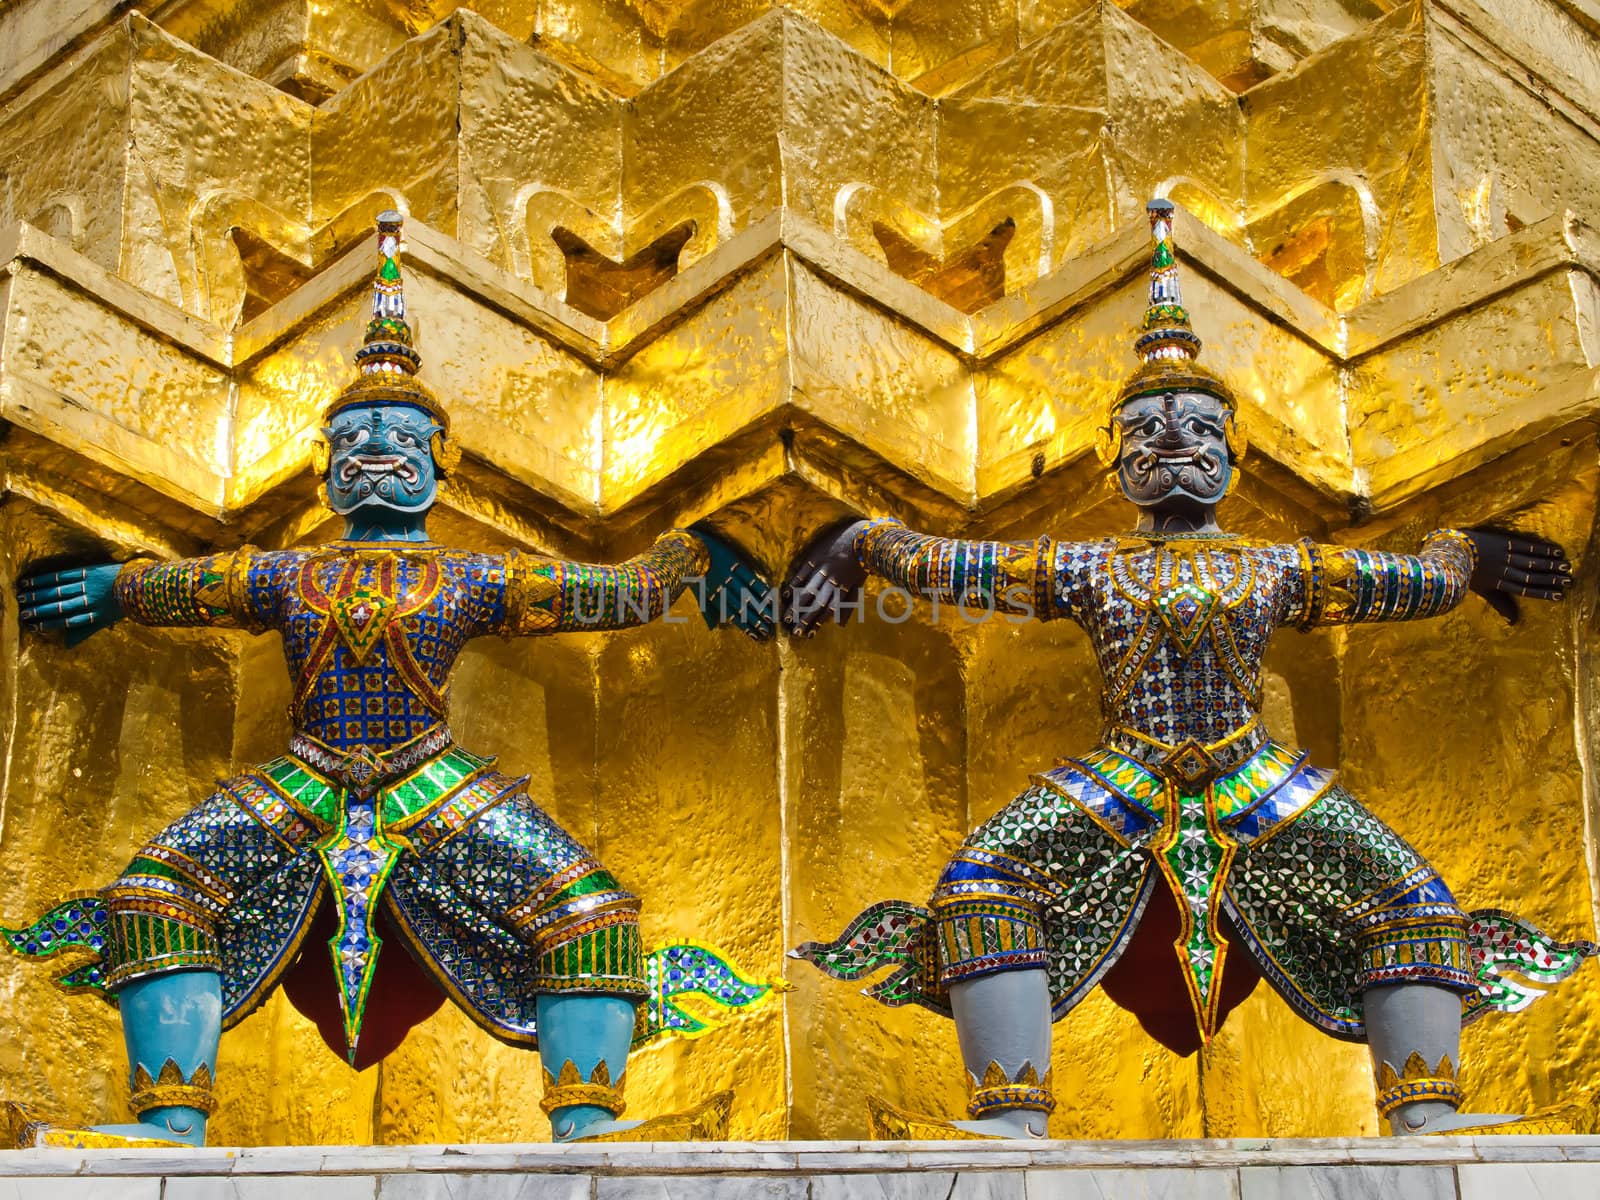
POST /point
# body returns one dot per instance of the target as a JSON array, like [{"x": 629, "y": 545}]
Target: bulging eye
[{"x": 404, "y": 437}]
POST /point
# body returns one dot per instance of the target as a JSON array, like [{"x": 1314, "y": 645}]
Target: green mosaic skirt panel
[
  {"x": 1040, "y": 883},
  {"x": 222, "y": 880},
  {"x": 1335, "y": 902},
  {"x": 1329, "y": 903},
  {"x": 495, "y": 900},
  {"x": 509, "y": 905}
]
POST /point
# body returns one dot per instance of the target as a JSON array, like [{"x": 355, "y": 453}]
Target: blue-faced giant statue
[{"x": 377, "y": 867}]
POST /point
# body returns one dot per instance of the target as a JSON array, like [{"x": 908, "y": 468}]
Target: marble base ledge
[{"x": 1513, "y": 1168}]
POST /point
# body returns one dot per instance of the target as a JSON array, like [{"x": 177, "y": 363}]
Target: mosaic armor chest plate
[
  {"x": 371, "y": 637},
  {"x": 1180, "y": 631}
]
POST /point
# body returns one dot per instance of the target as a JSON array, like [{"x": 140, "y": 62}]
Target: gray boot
[
  {"x": 1414, "y": 1033},
  {"x": 1003, "y": 1024}
]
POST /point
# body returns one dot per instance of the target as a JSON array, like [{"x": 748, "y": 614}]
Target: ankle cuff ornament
[
  {"x": 997, "y": 1092},
  {"x": 170, "y": 1089},
  {"x": 1415, "y": 1083},
  {"x": 569, "y": 1089}
]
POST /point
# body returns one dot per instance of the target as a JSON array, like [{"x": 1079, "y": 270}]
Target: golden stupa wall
[{"x": 762, "y": 265}]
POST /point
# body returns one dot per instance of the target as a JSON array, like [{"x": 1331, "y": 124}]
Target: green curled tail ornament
[
  {"x": 892, "y": 933},
  {"x": 696, "y": 969},
  {"x": 75, "y": 928},
  {"x": 1503, "y": 945}
]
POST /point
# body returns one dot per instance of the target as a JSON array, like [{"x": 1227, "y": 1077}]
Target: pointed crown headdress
[
  {"x": 1167, "y": 345},
  {"x": 387, "y": 362}
]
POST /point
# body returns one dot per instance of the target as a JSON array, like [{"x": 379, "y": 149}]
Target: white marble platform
[{"x": 1506, "y": 1168}]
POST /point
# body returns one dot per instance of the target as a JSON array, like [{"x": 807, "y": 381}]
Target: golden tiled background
[{"x": 764, "y": 264}]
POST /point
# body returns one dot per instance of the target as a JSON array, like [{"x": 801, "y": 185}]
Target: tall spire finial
[
  {"x": 387, "y": 346},
  {"x": 1167, "y": 345},
  {"x": 1167, "y": 335},
  {"x": 388, "y": 296}
]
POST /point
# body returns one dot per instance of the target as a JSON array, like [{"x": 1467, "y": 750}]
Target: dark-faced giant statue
[{"x": 1189, "y": 853}]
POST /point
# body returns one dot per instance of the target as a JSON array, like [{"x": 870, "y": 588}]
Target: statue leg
[
  {"x": 583, "y": 1042},
  {"x": 990, "y": 920},
  {"x": 577, "y": 978},
  {"x": 171, "y": 1023},
  {"x": 164, "y": 959},
  {"x": 1003, "y": 1020},
  {"x": 1414, "y": 1031},
  {"x": 1039, "y": 901},
  {"x": 1339, "y": 889}
]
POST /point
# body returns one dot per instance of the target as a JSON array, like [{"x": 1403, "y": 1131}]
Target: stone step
[{"x": 1523, "y": 1168}]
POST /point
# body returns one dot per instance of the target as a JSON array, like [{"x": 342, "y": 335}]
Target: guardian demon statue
[
  {"x": 1188, "y": 838},
  {"x": 375, "y": 820}
]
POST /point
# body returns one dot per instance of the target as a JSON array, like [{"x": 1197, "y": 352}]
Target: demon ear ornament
[
  {"x": 1108, "y": 442},
  {"x": 446, "y": 452},
  {"x": 321, "y": 454},
  {"x": 1238, "y": 439}
]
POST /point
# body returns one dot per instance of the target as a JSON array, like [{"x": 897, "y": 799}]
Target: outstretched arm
[
  {"x": 214, "y": 590},
  {"x": 1010, "y": 577},
  {"x": 1347, "y": 585},
  {"x": 547, "y": 595}
]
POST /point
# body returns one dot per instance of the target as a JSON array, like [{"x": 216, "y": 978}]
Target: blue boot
[
  {"x": 585, "y": 1039},
  {"x": 172, "y": 1024},
  {"x": 1003, "y": 1024},
  {"x": 584, "y": 1042}
]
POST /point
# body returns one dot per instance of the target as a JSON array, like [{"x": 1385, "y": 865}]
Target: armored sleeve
[
  {"x": 1343, "y": 585},
  {"x": 236, "y": 590},
  {"x": 549, "y": 595},
  {"x": 1009, "y": 577}
]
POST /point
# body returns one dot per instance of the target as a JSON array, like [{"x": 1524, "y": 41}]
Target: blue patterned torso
[
  {"x": 1179, "y": 623},
  {"x": 371, "y": 636},
  {"x": 371, "y": 630}
]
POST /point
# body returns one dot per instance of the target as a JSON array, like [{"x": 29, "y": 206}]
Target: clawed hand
[
  {"x": 78, "y": 600},
  {"x": 1517, "y": 564},
  {"x": 735, "y": 591},
  {"x": 826, "y": 576}
]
